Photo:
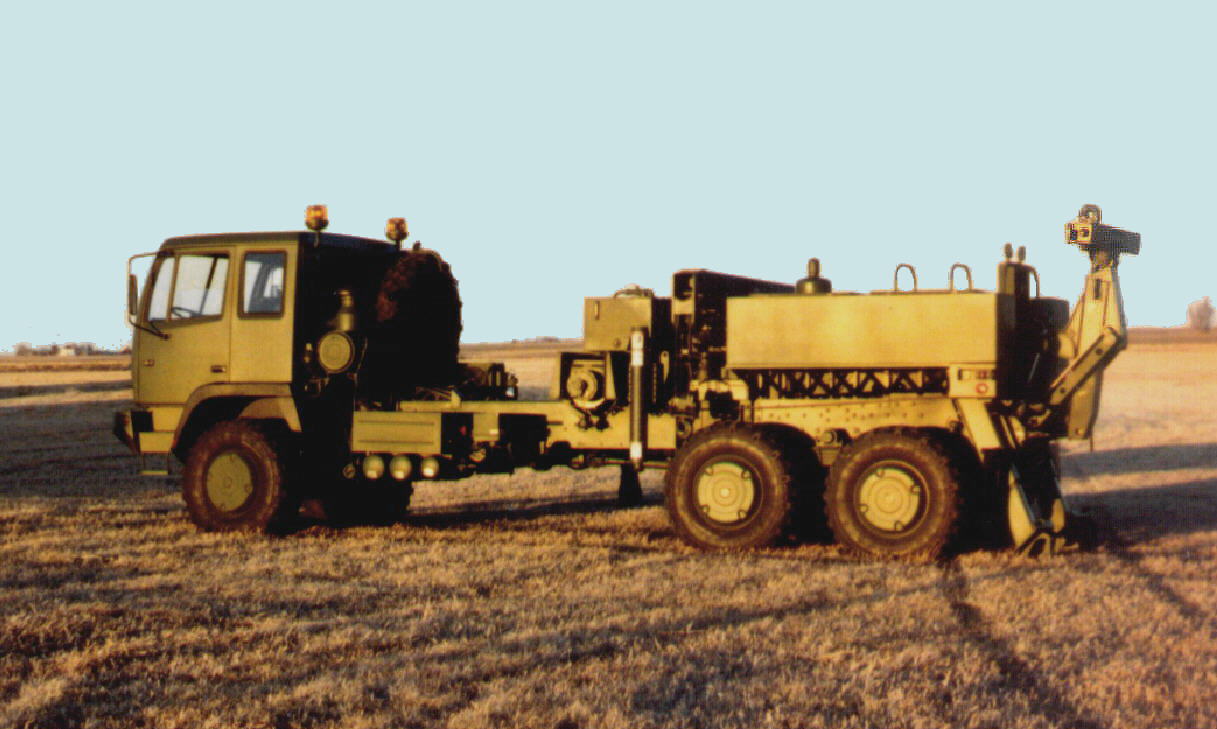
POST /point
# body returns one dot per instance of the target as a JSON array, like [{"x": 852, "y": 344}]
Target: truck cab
[
  {"x": 203, "y": 294},
  {"x": 219, "y": 324}
]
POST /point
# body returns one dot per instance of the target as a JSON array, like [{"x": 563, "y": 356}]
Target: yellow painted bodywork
[
  {"x": 415, "y": 427},
  {"x": 193, "y": 353},
  {"x": 196, "y": 359},
  {"x": 262, "y": 343},
  {"x": 200, "y": 351},
  {"x": 856, "y": 416},
  {"x": 607, "y": 321},
  {"x": 410, "y": 432},
  {"x": 845, "y": 331}
]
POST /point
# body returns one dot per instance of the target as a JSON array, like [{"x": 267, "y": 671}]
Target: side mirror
[{"x": 132, "y": 297}]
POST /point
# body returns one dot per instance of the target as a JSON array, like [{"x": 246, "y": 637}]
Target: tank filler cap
[{"x": 814, "y": 283}]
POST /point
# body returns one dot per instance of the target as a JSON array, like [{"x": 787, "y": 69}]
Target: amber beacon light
[
  {"x": 316, "y": 218},
  {"x": 396, "y": 230}
]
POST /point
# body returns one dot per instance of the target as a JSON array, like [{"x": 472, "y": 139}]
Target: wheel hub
[
  {"x": 726, "y": 492},
  {"x": 230, "y": 482},
  {"x": 891, "y": 498}
]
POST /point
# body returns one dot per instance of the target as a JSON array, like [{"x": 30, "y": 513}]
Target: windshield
[{"x": 188, "y": 286}]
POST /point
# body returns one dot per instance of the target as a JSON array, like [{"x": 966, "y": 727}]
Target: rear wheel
[
  {"x": 807, "y": 476},
  {"x": 235, "y": 479},
  {"x": 728, "y": 488},
  {"x": 894, "y": 494}
]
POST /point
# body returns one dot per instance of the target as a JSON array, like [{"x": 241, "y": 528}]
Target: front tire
[
  {"x": 729, "y": 488},
  {"x": 894, "y": 494},
  {"x": 235, "y": 479}
]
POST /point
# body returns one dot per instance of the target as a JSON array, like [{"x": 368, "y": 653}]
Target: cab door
[
  {"x": 262, "y": 326},
  {"x": 187, "y": 316}
]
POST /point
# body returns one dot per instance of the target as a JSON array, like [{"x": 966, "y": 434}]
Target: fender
[{"x": 266, "y": 401}]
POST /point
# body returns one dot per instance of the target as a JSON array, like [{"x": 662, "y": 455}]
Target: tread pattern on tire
[
  {"x": 272, "y": 503},
  {"x": 772, "y": 519},
  {"x": 808, "y": 477},
  {"x": 931, "y": 538},
  {"x": 416, "y": 339},
  {"x": 982, "y": 495}
]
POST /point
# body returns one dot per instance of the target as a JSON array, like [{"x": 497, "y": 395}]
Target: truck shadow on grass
[
  {"x": 1131, "y": 521},
  {"x": 510, "y": 513},
  {"x": 1146, "y": 513},
  {"x": 1139, "y": 460},
  {"x": 1016, "y": 675},
  {"x": 1126, "y": 517},
  {"x": 1134, "y": 516},
  {"x": 498, "y": 510}
]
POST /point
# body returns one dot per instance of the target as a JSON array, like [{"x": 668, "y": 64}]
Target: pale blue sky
[{"x": 553, "y": 151}]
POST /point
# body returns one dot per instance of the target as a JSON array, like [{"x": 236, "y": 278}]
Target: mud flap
[{"x": 124, "y": 431}]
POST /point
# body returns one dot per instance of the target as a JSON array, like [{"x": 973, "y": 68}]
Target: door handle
[
  {"x": 149, "y": 362},
  {"x": 218, "y": 368}
]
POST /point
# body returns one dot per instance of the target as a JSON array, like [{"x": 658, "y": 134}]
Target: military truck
[{"x": 325, "y": 367}]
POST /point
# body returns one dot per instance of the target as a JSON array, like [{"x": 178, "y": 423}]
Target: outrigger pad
[{"x": 1059, "y": 532}]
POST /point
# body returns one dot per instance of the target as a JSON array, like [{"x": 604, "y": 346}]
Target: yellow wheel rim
[
  {"x": 726, "y": 492},
  {"x": 230, "y": 482},
  {"x": 891, "y": 498}
]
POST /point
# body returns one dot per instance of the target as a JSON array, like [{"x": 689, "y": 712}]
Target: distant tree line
[
  {"x": 1201, "y": 315},
  {"x": 67, "y": 349}
]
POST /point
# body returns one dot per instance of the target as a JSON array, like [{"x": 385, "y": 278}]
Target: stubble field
[{"x": 534, "y": 601}]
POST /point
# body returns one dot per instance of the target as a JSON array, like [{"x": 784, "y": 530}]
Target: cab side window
[
  {"x": 199, "y": 289},
  {"x": 263, "y": 280}
]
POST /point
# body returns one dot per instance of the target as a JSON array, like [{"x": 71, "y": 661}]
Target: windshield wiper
[{"x": 150, "y": 328}]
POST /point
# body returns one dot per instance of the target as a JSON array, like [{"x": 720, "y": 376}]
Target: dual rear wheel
[
  {"x": 740, "y": 486},
  {"x": 894, "y": 494},
  {"x": 730, "y": 488}
]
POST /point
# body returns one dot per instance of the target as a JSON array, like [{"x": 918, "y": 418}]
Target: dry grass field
[{"x": 533, "y": 601}]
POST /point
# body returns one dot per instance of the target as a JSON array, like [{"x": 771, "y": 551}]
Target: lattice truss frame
[{"x": 828, "y": 384}]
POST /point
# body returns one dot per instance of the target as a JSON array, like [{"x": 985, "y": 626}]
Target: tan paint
[
  {"x": 851, "y": 331},
  {"x": 195, "y": 353},
  {"x": 262, "y": 343}
]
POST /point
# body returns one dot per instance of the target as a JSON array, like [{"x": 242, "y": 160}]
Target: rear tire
[
  {"x": 235, "y": 479},
  {"x": 729, "y": 488},
  {"x": 807, "y": 475},
  {"x": 894, "y": 494}
]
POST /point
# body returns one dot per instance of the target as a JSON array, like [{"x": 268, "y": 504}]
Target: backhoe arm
[{"x": 1096, "y": 332}]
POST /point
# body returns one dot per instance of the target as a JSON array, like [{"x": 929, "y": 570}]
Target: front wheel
[
  {"x": 235, "y": 479},
  {"x": 894, "y": 494},
  {"x": 729, "y": 488}
]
